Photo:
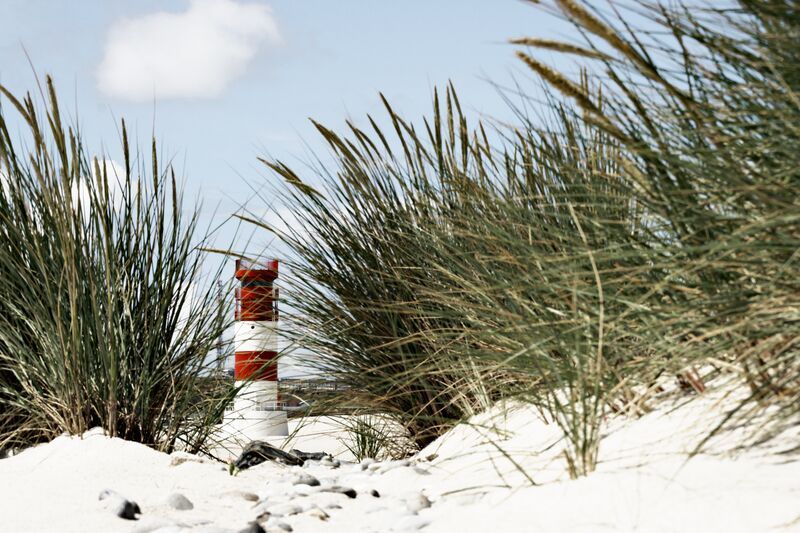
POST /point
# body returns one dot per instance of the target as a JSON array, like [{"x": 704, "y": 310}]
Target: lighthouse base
[{"x": 246, "y": 426}]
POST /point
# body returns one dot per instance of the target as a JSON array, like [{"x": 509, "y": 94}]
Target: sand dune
[{"x": 460, "y": 483}]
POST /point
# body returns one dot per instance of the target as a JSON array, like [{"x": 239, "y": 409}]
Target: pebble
[
  {"x": 305, "y": 479},
  {"x": 121, "y": 506},
  {"x": 365, "y": 462},
  {"x": 316, "y": 512},
  {"x": 128, "y": 510},
  {"x": 347, "y": 491},
  {"x": 254, "y": 527},
  {"x": 179, "y": 502}
]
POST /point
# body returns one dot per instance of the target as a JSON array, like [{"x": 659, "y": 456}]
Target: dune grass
[
  {"x": 104, "y": 318},
  {"x": 706, "y": 102},
  {"x": 646, "y": 228},
  {"x": 439, "y": 279}
]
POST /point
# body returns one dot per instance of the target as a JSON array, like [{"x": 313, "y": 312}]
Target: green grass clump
[
  {"x": 103, "y": 318},
  {"x": 436, "y": 275},
  {"x": 646, "y": 227},
  {"x": 373, "y": 437},
  {"x": 706, "y": 102}
]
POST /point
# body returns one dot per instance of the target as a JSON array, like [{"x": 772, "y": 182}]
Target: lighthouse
[{"x": 256, "y": 410}]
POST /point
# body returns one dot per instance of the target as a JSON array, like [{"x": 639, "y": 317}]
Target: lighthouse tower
[{"x": 256, "y": 410}]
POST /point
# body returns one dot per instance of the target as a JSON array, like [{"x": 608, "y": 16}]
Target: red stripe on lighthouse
[
  {"x": 261, "y": 366},
  {"x": 256, "y": 303}
]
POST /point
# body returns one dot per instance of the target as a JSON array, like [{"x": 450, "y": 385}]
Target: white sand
[{"x": 643, "y": 483}]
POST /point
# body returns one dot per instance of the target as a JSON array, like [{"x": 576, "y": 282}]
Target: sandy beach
[{"x": 477, "y": 477}]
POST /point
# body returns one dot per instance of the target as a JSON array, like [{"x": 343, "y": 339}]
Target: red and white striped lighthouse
[{"x": 256, "y": 410}]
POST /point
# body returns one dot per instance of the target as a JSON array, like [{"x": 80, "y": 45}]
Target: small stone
[
  {"x": 120, "y": 505},
  {"x": 316, "y": 512},
  {"x": 128, "y": 510},
  {"x": 179, "y": 502},
  {"x": 333, "y": 506},
  {"x": 254, "y": 527},
  {"x": 347, "y": 491},
  {"x": 305, "y": 479},
  {"x": 374, "y": 493},
  {"x": 417, "y": 502},
  {"x": 365, "y": 462}
]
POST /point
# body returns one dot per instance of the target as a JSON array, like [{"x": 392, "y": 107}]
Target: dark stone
[
  {"x": 375, "y": 493},
  {"x": 305, "y": 479},
  {"x": 122, "y": 507},
  {"x": 347, "y": 491},
  {"x": 254, "y": 527},
  {"x": 128, "y": 510}
]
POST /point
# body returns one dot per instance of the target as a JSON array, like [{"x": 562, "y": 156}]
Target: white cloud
[
  {"x": 193, "y": 54},
  {"x": 115, "y": 173}
]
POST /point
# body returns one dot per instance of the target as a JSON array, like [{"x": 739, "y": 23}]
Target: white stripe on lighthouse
[
  {"x": 256, "y": 336},
  {"x": 256, "y": 396}
]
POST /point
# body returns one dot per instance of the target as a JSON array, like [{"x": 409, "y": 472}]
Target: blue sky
[
  {"x": 287, "y": 61},
  {"x": 221, "y": 82}
]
